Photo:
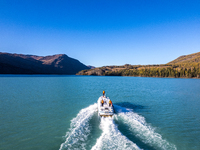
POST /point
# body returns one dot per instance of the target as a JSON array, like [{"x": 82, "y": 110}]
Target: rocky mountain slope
[{"x": 32, "y": 64}]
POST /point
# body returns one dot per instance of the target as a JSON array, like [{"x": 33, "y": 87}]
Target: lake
[{"x": 60, "y": 112}]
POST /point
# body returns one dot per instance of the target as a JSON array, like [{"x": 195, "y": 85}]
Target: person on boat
[
  {"x": 110, "y": 103},
  {"x": 104, "y": 94},
  {"x": 102, "y": 102}
]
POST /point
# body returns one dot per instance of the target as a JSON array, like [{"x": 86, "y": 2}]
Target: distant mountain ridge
[
  {"x": 32, "y": 64},
  {"x": 91, "y": 67}
]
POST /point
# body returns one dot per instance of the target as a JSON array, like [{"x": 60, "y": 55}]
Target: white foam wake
[
  {"x": 79, "y": 129},
  {"x": 112, "y": 138},
  {"x": 142, "y": 130}
]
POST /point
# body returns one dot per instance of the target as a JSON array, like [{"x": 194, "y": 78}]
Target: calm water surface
[{"x": 60, "y": 112}]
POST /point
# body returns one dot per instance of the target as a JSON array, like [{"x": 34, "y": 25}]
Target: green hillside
[{"x": 187, "y": 66}]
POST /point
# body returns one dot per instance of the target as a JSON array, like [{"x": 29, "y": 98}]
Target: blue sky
[{"x": 102, "y": 32}]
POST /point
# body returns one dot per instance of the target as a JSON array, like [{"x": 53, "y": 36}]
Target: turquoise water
[{"x": 60, "y": 112}]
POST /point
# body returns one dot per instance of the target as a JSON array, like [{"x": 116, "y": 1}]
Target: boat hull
[{"x": 105, "y": 109}]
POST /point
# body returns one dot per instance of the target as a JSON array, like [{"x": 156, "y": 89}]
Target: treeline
[{"x": 168, "y": 71}]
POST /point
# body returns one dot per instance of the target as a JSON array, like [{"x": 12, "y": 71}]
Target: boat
[{"x": 105, "y": 107}]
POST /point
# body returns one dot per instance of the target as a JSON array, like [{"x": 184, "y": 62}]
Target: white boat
[{"x": 105, "y": 107}]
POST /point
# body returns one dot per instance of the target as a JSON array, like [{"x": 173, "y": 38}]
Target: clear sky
[{"x": 102, "y": 32}]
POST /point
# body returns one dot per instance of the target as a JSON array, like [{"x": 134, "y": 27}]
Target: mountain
[
  {"x": 187, "y": 59},
  {"x": 32, "y": 64},
  {"x": 187, "y": 66},
  {"x": 91, "y": 67}
]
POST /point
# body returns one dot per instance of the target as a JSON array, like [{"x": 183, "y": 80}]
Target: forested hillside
[{"x": 187, "y": 66}]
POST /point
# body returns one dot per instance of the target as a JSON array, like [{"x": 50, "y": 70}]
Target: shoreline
[{"x": 52, "y": 75}]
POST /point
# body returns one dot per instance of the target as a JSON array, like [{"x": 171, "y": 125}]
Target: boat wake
[
  {"x": 141, "y": 130},
  {"x": 79, "y": 129},
  {"x": 111, "y": 136}
]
